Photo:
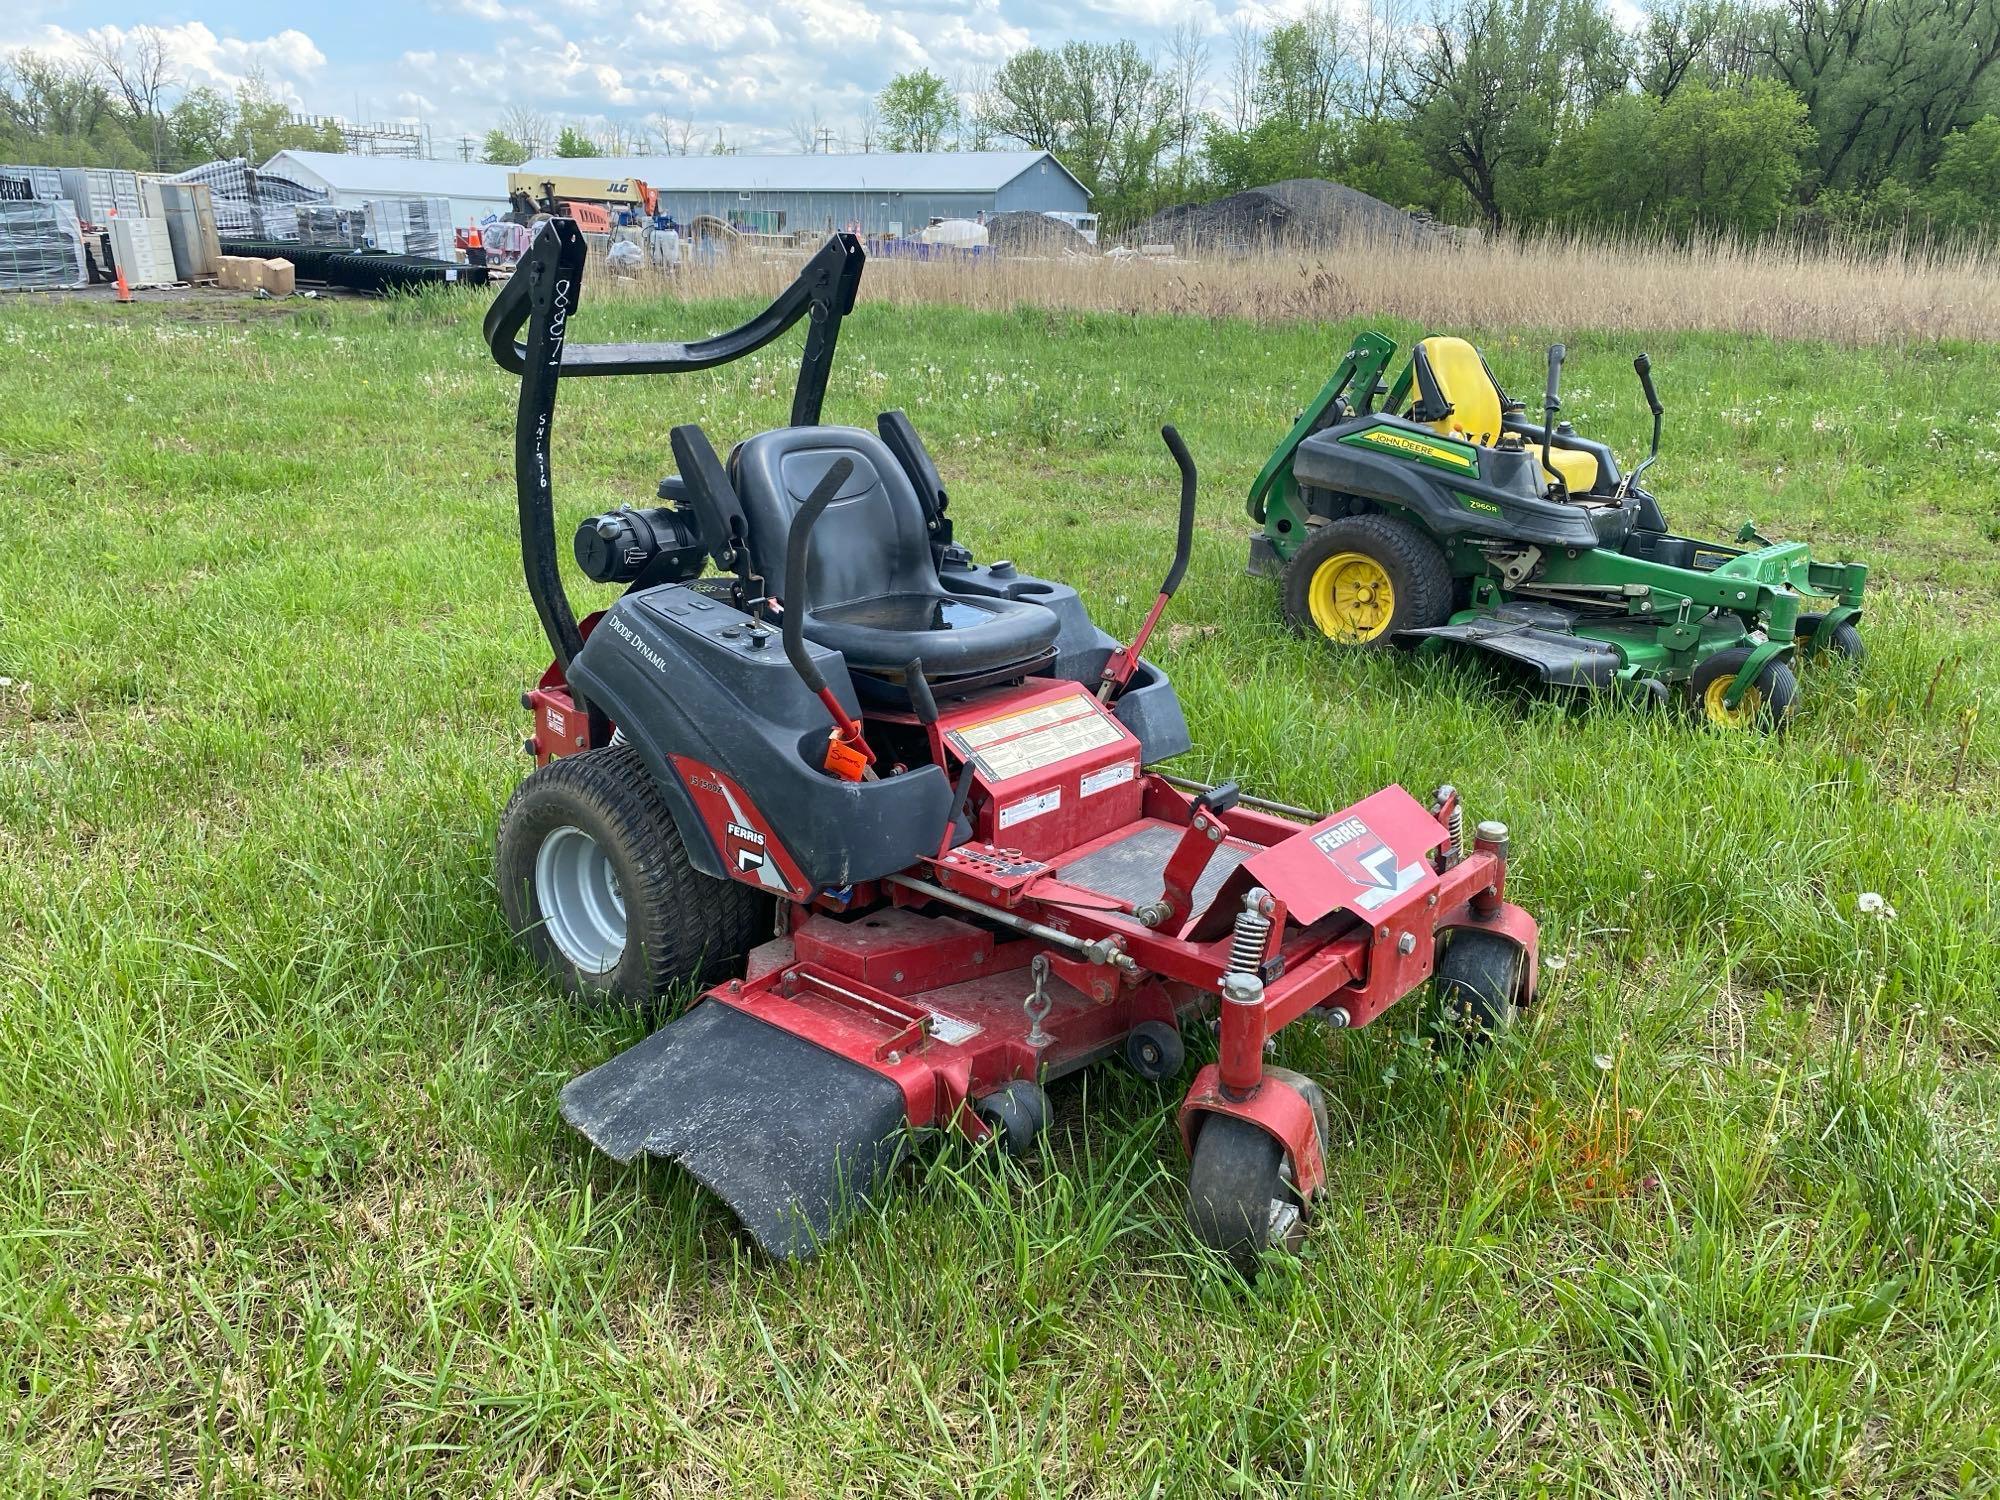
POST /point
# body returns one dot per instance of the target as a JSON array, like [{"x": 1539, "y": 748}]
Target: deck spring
[{"x": 1253, "y": 932}]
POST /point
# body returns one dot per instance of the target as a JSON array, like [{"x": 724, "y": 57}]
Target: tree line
[{"x": 1731, "y": 116}]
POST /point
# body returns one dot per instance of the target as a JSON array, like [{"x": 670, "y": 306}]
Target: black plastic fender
[
  {"x": 1497, "y": 503},
  {"x": 684, "y": 674}
]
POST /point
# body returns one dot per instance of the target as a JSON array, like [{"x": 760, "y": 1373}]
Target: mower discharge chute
[
  {"x": 1445, "y": 515},
  {"x": 897, "y": 810}
]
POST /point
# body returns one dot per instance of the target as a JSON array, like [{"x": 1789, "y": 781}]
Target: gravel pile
[
  {"x": 1034, "y": 234},
  {"x": 1304, "y": 213}
]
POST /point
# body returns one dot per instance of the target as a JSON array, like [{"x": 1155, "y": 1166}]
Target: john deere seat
[
  {"x": 1462, "y": 378},
  {"x": 874, "y": 590}
]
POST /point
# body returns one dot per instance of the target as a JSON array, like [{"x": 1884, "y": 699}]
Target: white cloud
[{"x": 747, "y": 67}]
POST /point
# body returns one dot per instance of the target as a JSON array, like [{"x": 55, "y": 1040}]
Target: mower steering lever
[
  {"x": 1551, "y": 404},
  {"x": 847, "y": 752},
  {"x": 1122, "y": 663}
]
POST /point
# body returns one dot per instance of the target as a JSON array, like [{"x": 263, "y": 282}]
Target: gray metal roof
[
  {"x": 393, "y": 174},
  {"x": 870, "y": 172}
]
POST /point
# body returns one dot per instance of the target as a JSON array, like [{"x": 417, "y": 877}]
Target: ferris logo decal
[
  {"x": 1365, "y": 861},
  {"x": 746, "y": 847}
]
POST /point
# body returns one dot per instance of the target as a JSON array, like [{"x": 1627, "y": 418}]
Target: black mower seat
[{"x": 874, "y": 591}]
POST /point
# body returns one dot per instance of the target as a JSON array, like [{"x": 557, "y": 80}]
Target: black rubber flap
[
  {"x": 1557, "y": 659},
  {"x": 792, "y": 1137}
]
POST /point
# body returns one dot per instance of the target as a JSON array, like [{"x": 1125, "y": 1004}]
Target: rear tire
[
  {"x": 1360, "y": 579},
  {"x": 1765, "y": 705},
  {"x": 595, "y": 882},
  {"x": 1843, "y": 640}
]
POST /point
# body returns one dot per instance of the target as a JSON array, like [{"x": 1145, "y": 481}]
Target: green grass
[{"x": 285, "y": 1205}]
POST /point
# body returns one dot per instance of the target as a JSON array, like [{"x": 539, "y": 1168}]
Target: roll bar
[{"x": 542, "y": 296}]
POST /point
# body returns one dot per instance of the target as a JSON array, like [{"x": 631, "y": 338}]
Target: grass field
[{"x": 285, "y": 1206}]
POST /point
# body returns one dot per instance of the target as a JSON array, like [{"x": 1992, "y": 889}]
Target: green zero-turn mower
[{"x": 1434, "y": 510}]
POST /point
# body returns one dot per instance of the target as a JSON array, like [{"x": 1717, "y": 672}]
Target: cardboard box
[{"x": 245, "y": 273}]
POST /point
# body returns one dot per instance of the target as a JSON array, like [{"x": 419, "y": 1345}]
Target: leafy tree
[
  {"x": 1964, "y": 191},
  {"x": 1491, "y": 84},
  {"x": 573, "y": 142},
  {"x": 502, "y": 149},
  {"x": 918, "y": 110},
  {"x": 1101, "y": 107},
  {"x": 1716, "y": 160},
  {"x": 1886, "y": 82}
]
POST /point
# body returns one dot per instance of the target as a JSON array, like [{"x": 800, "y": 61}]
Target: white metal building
[
  {"x": 474, "y": 189},
  {"x": 883, "y": 192}
]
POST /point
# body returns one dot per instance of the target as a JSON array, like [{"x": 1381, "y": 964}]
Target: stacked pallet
[
  {"x": 252, "y": 205},
  {"x": 323, "y": 224},
  {"x": 412, "y": 226},
  {"x": 41, "y": 245}
]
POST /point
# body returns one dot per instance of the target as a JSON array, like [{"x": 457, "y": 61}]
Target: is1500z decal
[{"x": 1366, "y": 862}]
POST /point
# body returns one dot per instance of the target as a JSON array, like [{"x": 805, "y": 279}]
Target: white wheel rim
[{"x": 577, "y": 893}]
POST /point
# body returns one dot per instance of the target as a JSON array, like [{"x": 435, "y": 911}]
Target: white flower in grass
[
  {"x": 1601, "y": 1061},
  {"x": 1872, "y": 904},
  {"x": 1555, "y": 963}
]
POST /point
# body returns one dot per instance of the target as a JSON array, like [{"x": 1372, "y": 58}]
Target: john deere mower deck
[
  {"x": 897, "y": 809},
  {"x": 1446, "y": 516}
]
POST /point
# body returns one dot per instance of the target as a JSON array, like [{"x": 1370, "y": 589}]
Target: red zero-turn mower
[{"x": 895, "y": 808}]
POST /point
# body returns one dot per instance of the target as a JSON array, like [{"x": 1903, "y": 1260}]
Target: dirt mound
[
  {"x": 1303, "y": 213},
  {"x": 1034, "y": 234}
]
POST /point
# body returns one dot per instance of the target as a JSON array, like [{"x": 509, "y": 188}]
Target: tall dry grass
[{"x": 1845, "y": 295}]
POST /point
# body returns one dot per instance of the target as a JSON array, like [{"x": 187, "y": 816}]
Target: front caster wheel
[
  {"x": 1477, "y": 990},
  {"x": 1243, "y": 1192},
  {"x": 1765, "y": 704},
  {"x": 1154, "y": 1051},
  {"x": 1843, "y": 640},
  {"x": 1240, "y": 1203},
  {"x": 1016, "y": 1114}
]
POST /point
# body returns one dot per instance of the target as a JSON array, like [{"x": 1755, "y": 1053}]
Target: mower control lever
[
  {"x": 1122, "y": 663},
  {"x": 1644, "y": 367},
  {"x": 1551, "y": 404},
  {"x": 847, "y": 752}
]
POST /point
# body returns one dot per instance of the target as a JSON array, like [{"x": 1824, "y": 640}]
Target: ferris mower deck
[
  {"x": 897, "y": 809},
  {"x": 1448, "y": 518}
]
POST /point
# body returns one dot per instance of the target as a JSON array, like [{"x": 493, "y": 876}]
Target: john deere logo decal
[
  {"x": 1365, "y": 861},
  {"x": 1439, "y": 451}
]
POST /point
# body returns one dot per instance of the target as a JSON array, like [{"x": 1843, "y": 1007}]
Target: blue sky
[{"x": 751, "y": 68}]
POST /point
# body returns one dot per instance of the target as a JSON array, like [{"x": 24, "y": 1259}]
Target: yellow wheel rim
[
  {"x": 1351, "y": 598},
  {"x": 1743, "y": 716}
]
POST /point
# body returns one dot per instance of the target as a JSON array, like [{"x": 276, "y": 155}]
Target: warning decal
[
  {"x": 1014, "y": 744},
  {"x": 1031, "y": 807},
  {"x": 1106, "y": 779}
]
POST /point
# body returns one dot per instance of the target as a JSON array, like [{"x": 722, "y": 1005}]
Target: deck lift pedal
[{"x": 899, "y": 811}]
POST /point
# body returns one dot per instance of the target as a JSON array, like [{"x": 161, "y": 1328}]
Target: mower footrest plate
[
  {"x": 792, "y": 1137},
  {"x": 1557, "y": 658}
]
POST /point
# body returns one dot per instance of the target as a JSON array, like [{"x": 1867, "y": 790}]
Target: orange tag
[{"x": 844, "y": 760}]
